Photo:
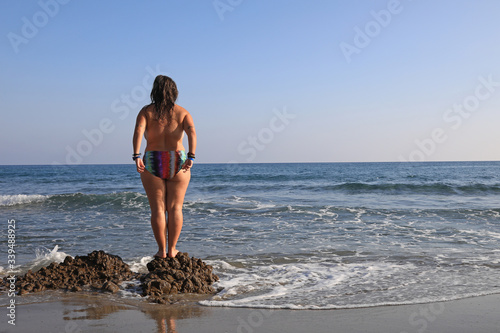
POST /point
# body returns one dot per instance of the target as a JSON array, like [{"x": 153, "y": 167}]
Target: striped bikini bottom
[{"x": 164, "y": 164}]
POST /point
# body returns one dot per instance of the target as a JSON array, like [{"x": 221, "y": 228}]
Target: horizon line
[{"x": 249, "y": 163}]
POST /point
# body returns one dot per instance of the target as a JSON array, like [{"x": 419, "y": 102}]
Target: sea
[{"x": 280, "y": 236}]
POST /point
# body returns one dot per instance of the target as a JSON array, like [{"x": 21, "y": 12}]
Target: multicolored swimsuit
[{"x": 164, "y": 164}]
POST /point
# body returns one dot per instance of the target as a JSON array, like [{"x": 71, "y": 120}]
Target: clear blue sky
[{"x": 266, "y": 81}]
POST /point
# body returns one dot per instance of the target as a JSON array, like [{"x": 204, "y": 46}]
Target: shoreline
[{"x": 85, "y": 312}]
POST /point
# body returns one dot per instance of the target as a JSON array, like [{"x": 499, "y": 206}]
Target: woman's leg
[
  {"x": 176, "y": 190},
  {"x": 156, "y": 191}
]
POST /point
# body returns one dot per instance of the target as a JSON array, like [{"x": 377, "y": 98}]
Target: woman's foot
[
  {"x": 161, "y": 254},
  {"x": 173, "y": 253}
]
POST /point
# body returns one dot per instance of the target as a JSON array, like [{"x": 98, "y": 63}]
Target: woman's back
[{"x": 164, "y": 134}]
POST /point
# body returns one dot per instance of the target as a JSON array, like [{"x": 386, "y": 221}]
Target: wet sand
[{"x": 76, "y": 313}]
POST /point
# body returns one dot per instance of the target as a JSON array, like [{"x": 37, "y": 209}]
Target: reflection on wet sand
[
  {"x": 166, "y": 316},
  {"x": 92, "y": 311},
  {"x": 95, "y": 308}
]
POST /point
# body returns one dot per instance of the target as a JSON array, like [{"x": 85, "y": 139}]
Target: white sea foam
[
  {"x": 321, "y": 285},
  {"x": 19, "y": 199},
  {"x": 130, "y": 289},
  {"x": 292, "y": 282},
  {"x": 139, "y": 266},
  {"x": 482, "y": 233},
  {"x": 43, "y": 257},
  {"x": 290, "y": 306}
]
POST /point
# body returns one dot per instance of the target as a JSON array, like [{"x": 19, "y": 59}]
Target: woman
[{"x": 165, "y": 168}]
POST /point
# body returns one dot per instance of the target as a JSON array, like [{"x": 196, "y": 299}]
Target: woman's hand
[
  {"x": 140, "y": 165},
  {"x": 187, "y": 165}
]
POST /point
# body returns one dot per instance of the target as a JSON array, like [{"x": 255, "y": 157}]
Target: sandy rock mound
[
  {"x": 177, "y": 275},
  {"x": 98, "y": 270},
  {"x": 105, "y": 272}
]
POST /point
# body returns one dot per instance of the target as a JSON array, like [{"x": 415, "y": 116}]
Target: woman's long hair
[{"x": 163, "y": 96}]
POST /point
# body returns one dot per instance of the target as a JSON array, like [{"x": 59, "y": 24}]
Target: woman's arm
[
  {"x": 188, "y": 126},
  {"x": 140, "y": 127},
  {"x": 191, "y": 133}
]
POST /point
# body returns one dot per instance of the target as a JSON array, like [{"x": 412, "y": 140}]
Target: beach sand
[{"x": 75, "y": 313}]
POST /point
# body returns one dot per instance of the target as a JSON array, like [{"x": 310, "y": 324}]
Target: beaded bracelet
[
  {"x": 136, "y": 156},
  {"x": 191, "y": 155}
]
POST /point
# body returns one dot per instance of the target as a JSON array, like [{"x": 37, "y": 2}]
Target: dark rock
[
  {"x": 105, "y": 272},
  {"x": 72, "y": 274},
  {"x": 110, "y": 287},
  {"x": 98, "y": 286},
  {"x": 68, "y": 261},
  {"x": 76, "y": 288},
  {"x": 177, "y": 275}
]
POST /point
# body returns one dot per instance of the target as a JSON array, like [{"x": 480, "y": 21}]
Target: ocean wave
[
  {"x": 21, "y": 199},
  {"x": 74, "y": 200},
  {"x": 398, "y": 188},
  {"x": 390, "y": 188}
]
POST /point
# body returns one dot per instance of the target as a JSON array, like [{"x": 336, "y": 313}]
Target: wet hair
[{"x": 163, "y": 96}]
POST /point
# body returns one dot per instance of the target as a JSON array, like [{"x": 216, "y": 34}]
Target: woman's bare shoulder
[
  {"x": 147, "y": 111},
  {"x": 180, "y": 111},
  {"x": 147, "y": 108}
]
